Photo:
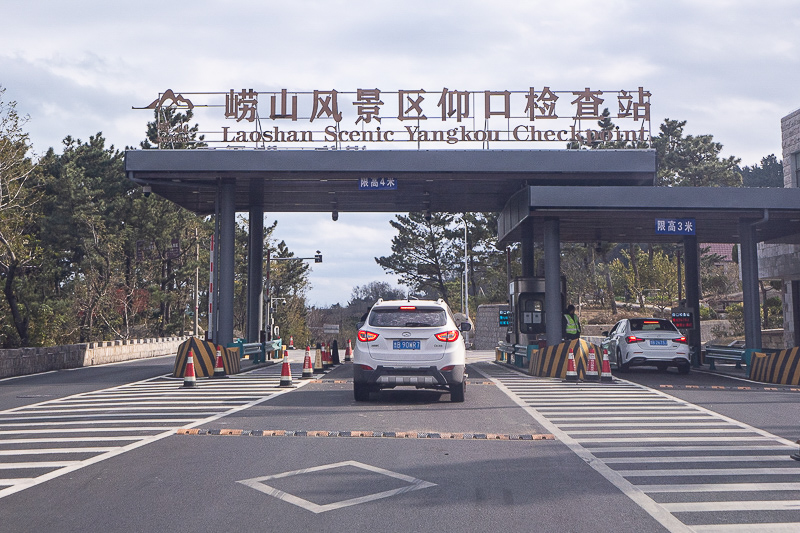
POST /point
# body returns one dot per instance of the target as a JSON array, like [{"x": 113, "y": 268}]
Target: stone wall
[
  {"x": 487, "y": 331},
  {"x": 22, "y": 361}
]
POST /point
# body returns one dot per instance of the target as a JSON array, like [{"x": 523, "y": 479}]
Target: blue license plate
[
  {"x": 405, "y": 345},
  {"x": 658, "y": 343}
]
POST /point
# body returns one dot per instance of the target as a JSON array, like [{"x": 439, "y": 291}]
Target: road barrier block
[
  {"x": 205, "y": 354},
  {"x": 552, "y": 361},
  {"x": 782, "y": 367}
]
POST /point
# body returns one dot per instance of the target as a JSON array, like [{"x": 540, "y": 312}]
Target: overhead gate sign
[{"x": 445, "y": 117}]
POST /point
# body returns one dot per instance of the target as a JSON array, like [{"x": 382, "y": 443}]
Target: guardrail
[
  {"x": 737, "y": 354},
  {"x": 258, "y": 349},
  {"x": 513, "y": 354}
]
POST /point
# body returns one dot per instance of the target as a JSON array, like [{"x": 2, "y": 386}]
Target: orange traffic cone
[
  {"x": 286, "y": 372},
  {"x": 219, "y": 366},
  {"x": 189, "y": 379},
  {"x": 319, "y": 368},
  {"x": 348, "y": 352},
  {"x": 308, "y": 371},
  {"x": 591, "y": 366},
  {"x": 571, "y": 374},
  {"x": 605, "y": 372},
  {"x": 291, "y": 342}
]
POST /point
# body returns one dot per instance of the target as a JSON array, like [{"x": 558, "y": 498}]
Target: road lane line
[{"x": 661, "y": 515}]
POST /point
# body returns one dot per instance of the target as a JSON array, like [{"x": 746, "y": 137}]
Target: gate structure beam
[
  {"x": 227, "y": 243},
  {"x": 691, "y": 253},
  {"x": 552, "y": 280},
  {"x": 255, "y": 263},
  {"x": 750, "y": 298}
]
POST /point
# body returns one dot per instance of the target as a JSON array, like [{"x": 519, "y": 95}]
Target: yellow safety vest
[{"x": 573, "y": 328}]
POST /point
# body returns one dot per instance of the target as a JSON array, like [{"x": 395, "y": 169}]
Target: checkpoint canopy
[{"x": 551, "y": 196}]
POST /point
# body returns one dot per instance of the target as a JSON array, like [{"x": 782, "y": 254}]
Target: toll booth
[{"x": 528, "y": 322}]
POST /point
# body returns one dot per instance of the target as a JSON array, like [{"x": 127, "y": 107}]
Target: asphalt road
[{"x": 297, "y": 459}]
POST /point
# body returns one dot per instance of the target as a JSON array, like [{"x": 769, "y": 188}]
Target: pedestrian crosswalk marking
[
  {"x": 104, "y": 423},
  {"x": 623, "y": 429}
]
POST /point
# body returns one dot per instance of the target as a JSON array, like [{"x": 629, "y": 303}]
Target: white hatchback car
[
  {"x": 647, "y": 342},
  {"x": 412, "y": 343}
]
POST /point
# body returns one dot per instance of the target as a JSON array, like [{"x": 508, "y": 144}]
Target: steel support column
[
  {"x": 691, "y": 252},
  {"x": 255, "y": 262},
  {"x": 552, "y": 281},
  {"x": 227, "y": 243},
  {"x": 750, "y": 297},
  {"x": 526, "y": 250}
]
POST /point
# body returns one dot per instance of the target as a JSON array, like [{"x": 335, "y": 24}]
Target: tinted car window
[
  {"x": 408, "y": 318},
  {"x": 644, "y": 324}
]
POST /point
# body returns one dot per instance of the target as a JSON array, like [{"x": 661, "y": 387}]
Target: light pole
[
  {"x": 466, "y": 272},
  {"x": 267, "y": 326},
  {"x": 465, "y": 299}
]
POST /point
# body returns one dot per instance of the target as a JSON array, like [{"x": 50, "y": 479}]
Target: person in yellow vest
[{"x": 572, "y": 325}]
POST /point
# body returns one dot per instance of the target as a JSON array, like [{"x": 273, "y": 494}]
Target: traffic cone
[
  {"x": 219, "y": 366},
  {"x": 189, "y": 379},
  {"x": 326, "y": 362},
  {"x": 308, "y": 371},
  {"x": 571, "y": 374},
  {"x": 286, "y": 372},
  {"x": 319, "y": 368},
  {"x": 291, "y": 342},
  {"x": 605, "y": 373},
  {"x": 591, "y": 366},
  {"x": 348, "y": 352}
]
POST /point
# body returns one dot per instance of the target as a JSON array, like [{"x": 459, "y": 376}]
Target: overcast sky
[{"x": 729, "y": 68}]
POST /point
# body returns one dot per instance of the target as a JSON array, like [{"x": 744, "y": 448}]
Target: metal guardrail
[
  {"x": 257, "y": 348},
  {"x": 727, "y": 353}
]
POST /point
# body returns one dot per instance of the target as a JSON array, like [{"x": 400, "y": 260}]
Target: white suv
[{"x": 412, "y": 343}]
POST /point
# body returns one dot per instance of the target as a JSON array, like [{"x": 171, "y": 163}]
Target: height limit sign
[{"x": 675, "y": 226}]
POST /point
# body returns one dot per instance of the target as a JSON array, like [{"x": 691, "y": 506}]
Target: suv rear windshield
[
  {"x": 651, "y": 324},
  {"x": 408, "y": 318}
]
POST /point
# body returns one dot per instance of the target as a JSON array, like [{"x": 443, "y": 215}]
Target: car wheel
[
  {"x": 684, "y": 368},
  {"x": 623, "y": 367},
  {"x": 360, "y": 392},
  {"x": 457, "y": 392}
]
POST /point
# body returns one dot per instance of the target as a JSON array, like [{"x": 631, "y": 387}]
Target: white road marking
[
  {"x": 148, "y": 410},
  {"x": 608, "y": 425}
]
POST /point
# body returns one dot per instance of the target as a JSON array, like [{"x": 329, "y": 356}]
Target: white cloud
[{"x": 731, "y": 68}]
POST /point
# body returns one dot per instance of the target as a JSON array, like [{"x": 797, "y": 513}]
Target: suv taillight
[
  {"x": 366, "y": 336},
  {"x": 447, "y": 336}
]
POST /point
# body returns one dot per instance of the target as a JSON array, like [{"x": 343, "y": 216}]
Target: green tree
[
  {"x": 768, "y": 174},
  {"x": 422, "y": 254},
  {"x": 20, "y": 254},
  {"x": 693, "y": 161}
]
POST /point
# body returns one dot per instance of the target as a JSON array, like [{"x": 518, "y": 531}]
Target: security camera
[
  {"x": 146, "y": 189},
  {"x": 335, "y": 215}
]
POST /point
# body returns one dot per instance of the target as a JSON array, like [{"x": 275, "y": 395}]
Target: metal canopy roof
[
  {"x": 598, "y": 195},
  {"x": 326, "y": 180},
  {"x": 625, "y": 214}
]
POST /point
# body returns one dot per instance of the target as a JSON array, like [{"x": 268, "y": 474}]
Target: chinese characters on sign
[
  {"x": 683, "y": 318},
  {"x": 377, "y": 184},
  {"x": 675, "y": 226},
  {"x": 449, "y": 116}
]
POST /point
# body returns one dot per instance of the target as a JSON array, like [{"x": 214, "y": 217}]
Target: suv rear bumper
[{"x": 385, "y": 377}]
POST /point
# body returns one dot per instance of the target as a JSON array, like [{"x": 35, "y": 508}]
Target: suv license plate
[
  {"x": 658, "y": 343},
  {"x": 405, "y": 345}
]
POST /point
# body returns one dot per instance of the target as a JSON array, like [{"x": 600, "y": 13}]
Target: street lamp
[
  {"x": 465, "y": 299},
  {"x": 269, "y": 299}
]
